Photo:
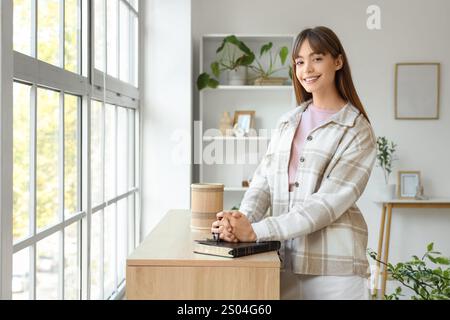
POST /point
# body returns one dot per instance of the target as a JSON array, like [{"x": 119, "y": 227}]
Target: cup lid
[{"x": 213, "y": 186}]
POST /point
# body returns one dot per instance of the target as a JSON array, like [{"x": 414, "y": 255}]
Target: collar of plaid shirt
[{"x": 345, "y": 117}]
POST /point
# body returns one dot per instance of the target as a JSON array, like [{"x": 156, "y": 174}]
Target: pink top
[{"x": 312, "y": 118}]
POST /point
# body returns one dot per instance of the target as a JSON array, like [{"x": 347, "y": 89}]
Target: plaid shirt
[{"x": 323, "y": 230}]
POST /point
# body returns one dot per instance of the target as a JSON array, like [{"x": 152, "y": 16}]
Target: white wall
[
  {"x": 411, "y": 31},
  {"x": 166, "y": 108}
]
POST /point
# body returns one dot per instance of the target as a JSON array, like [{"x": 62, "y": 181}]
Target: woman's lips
[{"x": 310, "y": 80}]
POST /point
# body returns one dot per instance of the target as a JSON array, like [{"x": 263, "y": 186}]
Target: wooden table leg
[
  {"x": 386, "y": 248},
  {"x": 380, "y": 250}
]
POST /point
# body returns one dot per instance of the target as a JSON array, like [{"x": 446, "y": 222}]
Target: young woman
[{"x": 316, "y": 167}]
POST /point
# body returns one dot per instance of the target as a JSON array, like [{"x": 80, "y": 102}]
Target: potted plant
[
  {"x": 264, "y": 71},
  {"x": 426, "y": 282},
  {"x": 233, "y": 56},
  {"x": 385, "y": 156}
]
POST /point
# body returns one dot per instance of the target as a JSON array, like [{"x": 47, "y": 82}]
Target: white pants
[{"x": 307, "y": 287}]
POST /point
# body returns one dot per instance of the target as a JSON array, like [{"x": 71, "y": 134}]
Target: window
[
  {"x": 119, "y": 52},
  {"x": 74, "y": 147},
  {"x": 99, "y": 34},
  {"x": 21, "y": 160},
  {"x": 112, "y": 192},
  {"x": 55, "y": 45},
  {"x": 72, "y": 106},
  {"x": 124, "y": 42},
  {"x": 22, "y": 37},
  {"x": 47, "y": 154},
  {"x": 112, "y": 18},
  {"x": 72, "y": 25},
  {"x": 48, "y": 39}
]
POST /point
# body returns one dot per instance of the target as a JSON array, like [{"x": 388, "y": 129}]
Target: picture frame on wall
[
  {"x": 408, "y": 182},
  {"x": 417, "y": 90}
]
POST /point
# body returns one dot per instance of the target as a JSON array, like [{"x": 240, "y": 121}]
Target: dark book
[{"x": 232, "y": 249}]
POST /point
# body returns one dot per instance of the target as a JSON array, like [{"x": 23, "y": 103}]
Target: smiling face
[{"x": 316, "y": 71}]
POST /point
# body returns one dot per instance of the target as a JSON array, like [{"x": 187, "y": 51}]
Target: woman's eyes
[{"x": 314, "y": 59}]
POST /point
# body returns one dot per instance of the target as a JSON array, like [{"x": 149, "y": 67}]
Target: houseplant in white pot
[
  {"x": 233, "y": 56},
  {"x": 385, "y": 156}
]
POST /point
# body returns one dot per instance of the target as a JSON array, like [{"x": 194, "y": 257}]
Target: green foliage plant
[
  {"x": 426, "y": 282},
  {"x": 232, "y": 54},
  {"x": 385, "y": 156},
  {"x": 266, "y": 51}
]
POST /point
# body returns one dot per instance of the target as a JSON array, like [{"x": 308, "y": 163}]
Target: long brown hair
[{"x": 324, "y": 40}]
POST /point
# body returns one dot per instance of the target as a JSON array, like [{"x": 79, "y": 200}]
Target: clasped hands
[{"x": 233, "y": 226}]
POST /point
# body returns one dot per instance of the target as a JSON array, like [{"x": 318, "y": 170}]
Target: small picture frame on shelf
[
  {"x": 243, "y": 122},
  {"x": 408, "y": 182}
]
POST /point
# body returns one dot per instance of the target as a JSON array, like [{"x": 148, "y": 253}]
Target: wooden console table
[
  {"x": 388, "y": 206},
  {"x": 163, "y": 266}
]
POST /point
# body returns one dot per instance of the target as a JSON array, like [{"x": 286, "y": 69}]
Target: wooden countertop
[{"x": 171, "y": 244}]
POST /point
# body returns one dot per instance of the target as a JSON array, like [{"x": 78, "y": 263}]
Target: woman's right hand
[{"x": 223, "y": 227}]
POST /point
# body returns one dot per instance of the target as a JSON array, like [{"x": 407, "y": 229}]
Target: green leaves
[
  {"x": 442, "y": 260},
  {"x": 238, "y": 43},
  {"x": 232, "y": 63},
  {"x": 266, "y": 71},
  {"x": 283, "y": 54},
  {"x": 215, "y": 69},
  {"x": 395, "y": 295},
  {"x": 265, "y": 48},
  {"x": 204, "y": 80},
  {"x": 385, "y": 155},
  {"x": 428, "y": 283},
  {"x": 245, "y": 60}
]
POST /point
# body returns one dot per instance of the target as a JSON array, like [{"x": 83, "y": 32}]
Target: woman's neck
[{"x": 328, "y": 99}]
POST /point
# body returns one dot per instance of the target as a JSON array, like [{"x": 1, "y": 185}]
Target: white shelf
[
  {"x": 258, "y": 36},
  {"x": 269, "y": 102},
  {"x": 250, "y": 87},
  {"x": 238, "y": 189},
  {"x": 210, "y": 138}
]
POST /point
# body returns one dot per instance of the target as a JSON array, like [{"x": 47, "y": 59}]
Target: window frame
[
  {"x": 90, "y": 84},
  {"x": 6, "y": 147}
]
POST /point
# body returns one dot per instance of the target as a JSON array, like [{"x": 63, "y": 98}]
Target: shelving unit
[{"x": 234, "y": 159}]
